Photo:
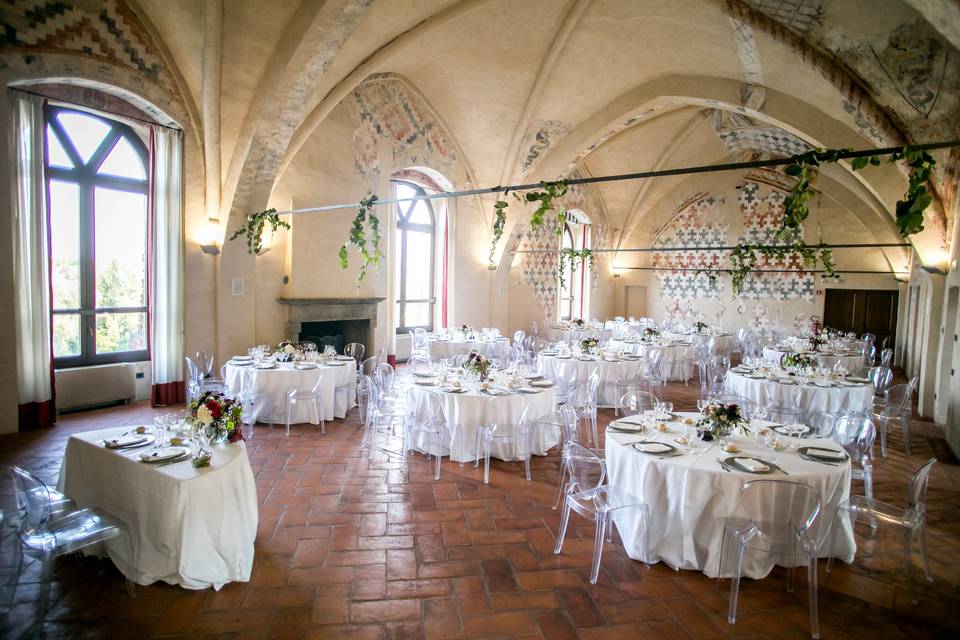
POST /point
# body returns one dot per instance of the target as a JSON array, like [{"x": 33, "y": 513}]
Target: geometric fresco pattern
[
  {"x": 108, "y": 31},
  {"x": 693, "y": 226},
  {"x": 540, "y": 269},
  {"x": 761, "y": 218}
]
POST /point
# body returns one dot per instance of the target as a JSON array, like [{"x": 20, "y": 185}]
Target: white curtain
[
  {"x": 166, "y": 289},
  {"x": 32, "y": 262}
]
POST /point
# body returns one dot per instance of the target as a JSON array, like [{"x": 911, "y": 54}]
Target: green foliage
[
  {"x": 917, "y": 198},
  {"x": 572, "y": 255},
  {"x": 795, "y": 206},
  {"x": 369, "y": 252},
  {"x": 545, "y": 198},
  {"x": 253, "y": 227},
  {"x": 500, "y": 220},
  {"x": 745, "y": 257}
]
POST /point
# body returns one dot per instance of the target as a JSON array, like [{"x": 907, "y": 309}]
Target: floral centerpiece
[
  {"x": 817, "y": 340},
  {"x": 699, "y": 326},
  {"x": 478, "y": 364},
  {"x": 578, "y": 323},
  {"x": 797, "y": 361},
  {"x": 589, "y": 345},
  {"x": 219, "y": 415},
  {"x": 288, "y": 351},
  {"x": 720, "y": 420},
  {"x": 649, "y": 333}
]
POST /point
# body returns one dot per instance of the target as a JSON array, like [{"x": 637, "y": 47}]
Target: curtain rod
[
  {"x": 708, "y": 168},
  {"x": 112, "y": 113},
  {"x": 796, "y": 271},
  {"x": 875, "y": 245}
]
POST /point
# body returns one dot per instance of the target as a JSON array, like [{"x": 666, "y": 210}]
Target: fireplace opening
[{"x": 335, "y": 332}]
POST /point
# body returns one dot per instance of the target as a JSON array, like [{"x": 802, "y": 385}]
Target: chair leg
[
  {"x": 883, "y": 438},
  {"x": 598, "y": 539},
  {"x": 735, "y": 583},
  {"x": 562, "y": 484},
  {"x": 286, "y": 417},
  {"x": 564, "y": 521},
  {"x": 812, "y": 581},
  {"x": 436, "y": 471},
  {"x": 905, "y": 425},
  {"x": 923, "y": 553}
]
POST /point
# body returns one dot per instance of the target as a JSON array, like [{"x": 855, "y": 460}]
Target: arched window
[
  {"x": 416, "y": 258},
  {"x": 573, "y": 299},
  {"x": 97, "y": 181}
]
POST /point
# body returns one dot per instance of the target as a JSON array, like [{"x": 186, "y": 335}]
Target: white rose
[
  {"x": 289, "y": 349},
  {"x": 204, "y": 415}
]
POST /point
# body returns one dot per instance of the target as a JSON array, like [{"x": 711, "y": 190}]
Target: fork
[
  {"x": 829, "y": 464},
  {"x": 723, "y": 465}
]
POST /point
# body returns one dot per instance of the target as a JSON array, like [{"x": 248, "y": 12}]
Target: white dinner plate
[
  {"x": 125, "y": 442},
  {"x": 163, "y": 454}
]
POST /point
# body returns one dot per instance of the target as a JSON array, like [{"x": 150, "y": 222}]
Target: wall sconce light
[
  {"x": 210, "y": 237},
  {"x": 491, "y": 266},
  {"x": 616, "y": 275}
]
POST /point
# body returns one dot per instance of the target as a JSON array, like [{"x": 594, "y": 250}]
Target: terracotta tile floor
[{"x": 349, "y": 548}]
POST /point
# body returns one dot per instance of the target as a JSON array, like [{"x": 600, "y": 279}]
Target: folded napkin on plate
[
  {"x": 651, "y": 447},
  {"x": 752, "y": 465},
  {"x": 832, "y": 454},
  {"x": 124, "y": 441}
]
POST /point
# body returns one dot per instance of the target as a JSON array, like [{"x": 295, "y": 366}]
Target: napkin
[
  {"x": 826, "y": 453},
  {"x": 651, "y": 447},
  {"x": 752, "y": 465},
  {"x": 124, "y": 441}
]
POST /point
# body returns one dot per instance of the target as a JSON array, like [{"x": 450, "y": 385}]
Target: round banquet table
[
  {"x": 447, "y": 348},
  {"x": 690, "y": 495},
  {"x": 552, "y": 366},
  {"x": 849, "y": 361},
  {"x": 841, "y": 396},
  {"x": 190, "y": 527},
  {"x": 676, "y": 353},
  {"x": 276, "y": 383},
  {"x": 566, "y": 334},
  {"x": 465, "y": 412},
  {"x": 725, "y": 342}
]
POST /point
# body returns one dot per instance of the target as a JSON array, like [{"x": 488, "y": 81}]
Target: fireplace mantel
[{"x": 301, "y": 310}]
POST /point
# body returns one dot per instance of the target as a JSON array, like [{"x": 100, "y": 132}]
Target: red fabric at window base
[
  {"x": 36, "y": 415},
  {"x": 443, "y": 282},
  {"x": 167, "y": 393},
  {"x": 392, "y": 360}
]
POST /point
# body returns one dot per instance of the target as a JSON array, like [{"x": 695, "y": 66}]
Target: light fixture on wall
[{"x": 210, "y": 237}]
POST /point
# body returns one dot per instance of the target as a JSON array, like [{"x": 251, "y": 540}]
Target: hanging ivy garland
[
  {"x": 499, "y": 222},
  {"x": 545, "y": 197},
  {"x": 253, "y": 227},
  {"x": 573, "y": 255},
  {"x": 369, "y": 251}
]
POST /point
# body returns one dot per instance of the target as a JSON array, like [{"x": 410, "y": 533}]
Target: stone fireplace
[{"x": 352, "y": 318}]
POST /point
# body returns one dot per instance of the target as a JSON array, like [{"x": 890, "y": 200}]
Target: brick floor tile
[
  {"x": 354, "y": 558},
  {"x": 449, "y": 569},
  {"x": 310, "y": 553},
  {"x": 441, "y": 619},
  {"x": 553, "y": 624},
  {"x": 385, "y": 610},
  {"x": 471, "y": 593},
  {"x": 499, "y": 575},
  {"x": 505, "y": 623},
  {"x": 524, "y": 600},
  {"x": 402, "y": 564},
  {"x": 535, "y": 581},
  {"x": 417, "y": 588}
]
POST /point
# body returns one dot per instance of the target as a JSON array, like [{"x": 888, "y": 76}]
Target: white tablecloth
[
  {"x": 852, "y": 362},
  {"x": 275, "y": 383},
  {"x": 858, "y": 397},
  {"x": 440, "y": 348},
  {"x": 689, "y": 496},
  {"x": 191, "y": 527},
  {"x": 676, "y": 353},
  {"x": 552, "y": 366},
  {"x": 466, "y": 411},
  {"x": 725, "y": 342},
  {"x": 566, "y": 334}
]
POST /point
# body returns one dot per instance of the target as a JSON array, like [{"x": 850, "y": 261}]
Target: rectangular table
[{"x": 191, "y": 527}]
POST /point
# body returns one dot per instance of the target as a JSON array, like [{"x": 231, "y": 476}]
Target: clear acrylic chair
[
  {"x": 895, "y": 406},
  {"x": 356, "y": 351},
  {"x": 420, "y": 364},
  {"x": 565, "y": 380},
  {"x": 745, "y": 404},
  {"x": 821, "y": 422},
  {"x": 565, "y": 421},
  {"x": 516, "y": 435},
  {"x": 775, "y": 517},
  {"x": 383, "y": 414},
  {"x": 638, "y": 402},
  {"x": 425, "y": 422},
  {"x": 886, "y": 357},
  {"x": 253, "y": 406},
  {"x": 652, "y": 376},
  {"x": 584, "y": 401},
  {"x": 586, "y": 494},
  {"x": 912, "y": 519},
  {"x": 197, "y": 384},
  {"x": 45, "y": 534},
  {"x": 783, "y": 415},
  {"x": 856, "y": 433},
  {"x": 204, "y": 361},
  {"x": 312, "y": 396},
  {"x": 880, "y": 377}
]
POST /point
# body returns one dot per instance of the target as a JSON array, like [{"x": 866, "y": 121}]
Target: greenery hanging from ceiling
[
  {"x": 572, "y": 255},
  {"x": 253, "y": 227},
  {"x": 909, "y": 211},
  {"x": 499, "y": 222},
  {"x": 369, "y": 250}
]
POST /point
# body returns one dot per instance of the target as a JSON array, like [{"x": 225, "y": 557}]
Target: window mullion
[{"x": 88, "y": 272}]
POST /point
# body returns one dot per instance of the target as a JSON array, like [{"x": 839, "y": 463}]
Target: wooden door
[{"x": 863, "y": 311}]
